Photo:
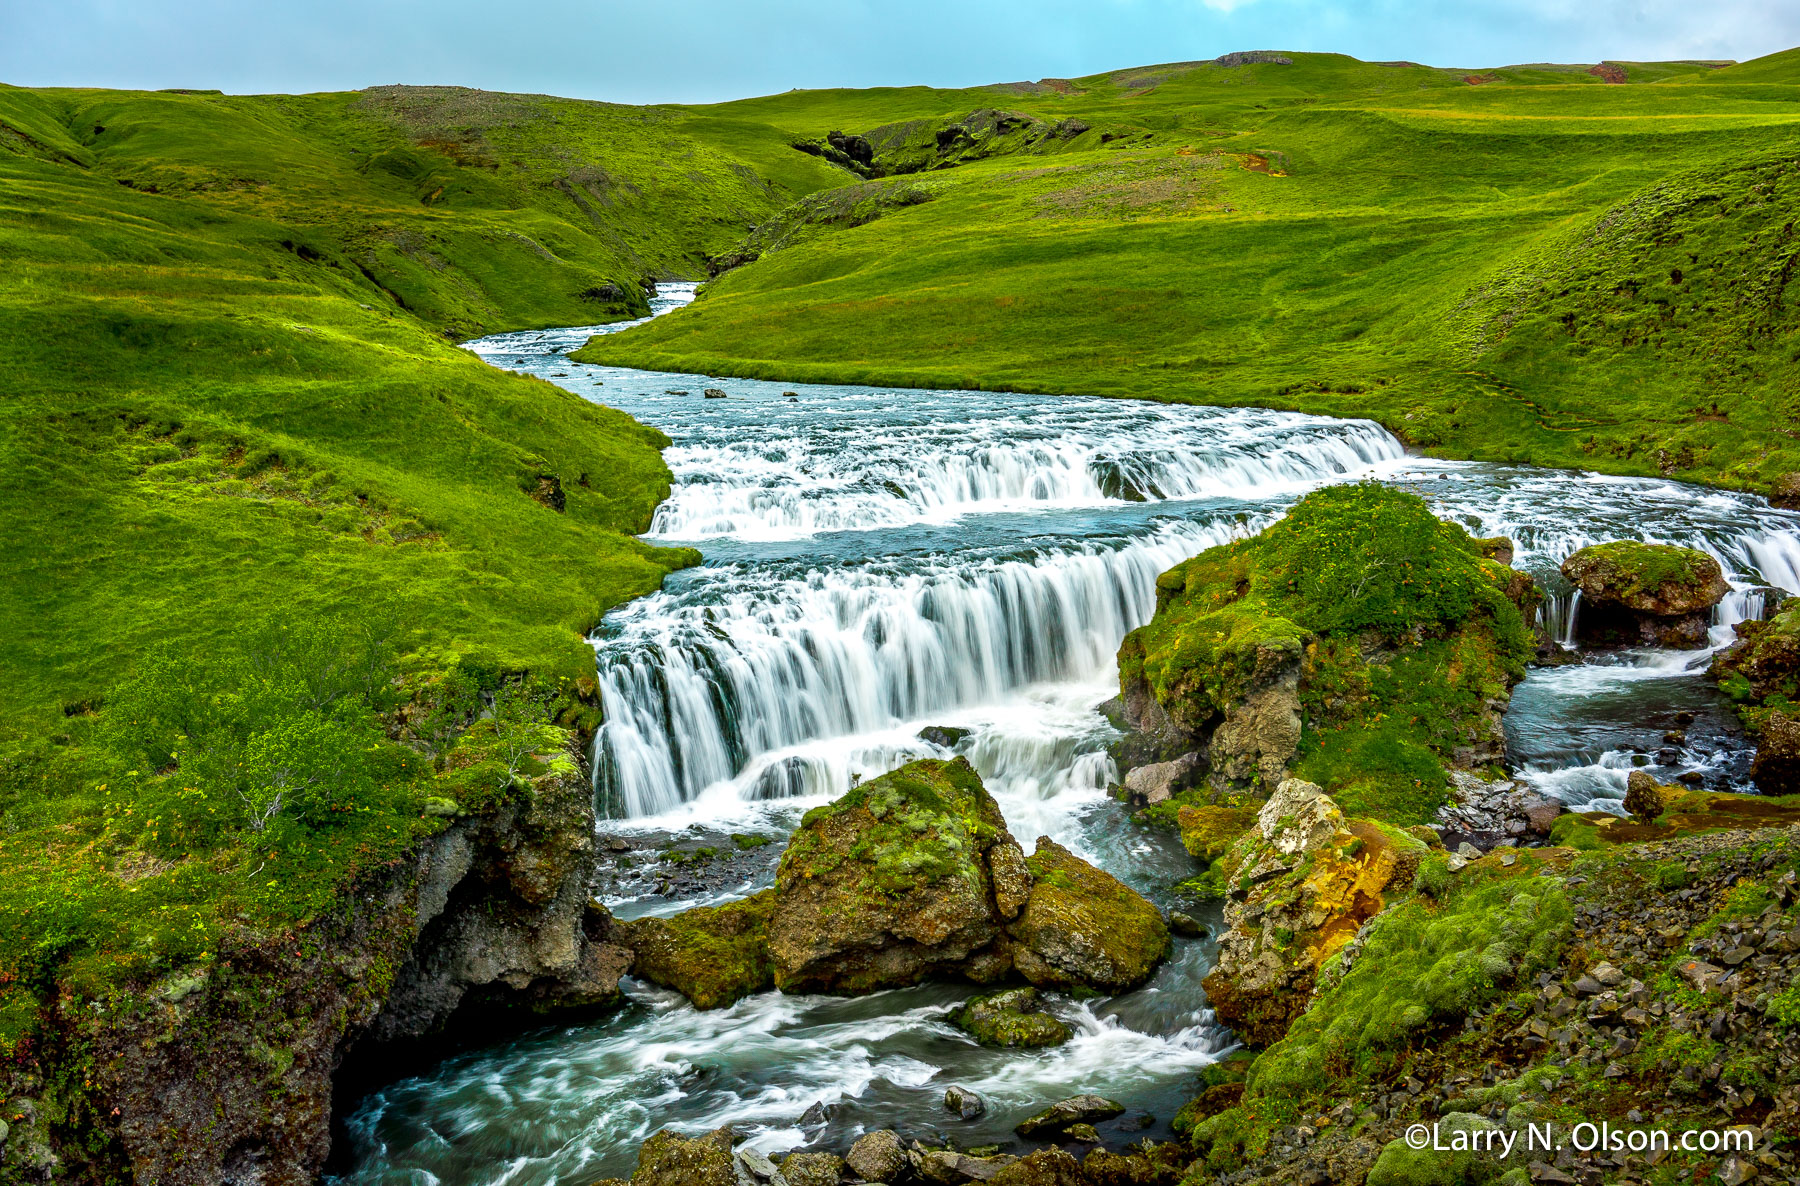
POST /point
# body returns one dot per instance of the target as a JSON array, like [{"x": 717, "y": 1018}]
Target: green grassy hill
[
  {"x": 241, "y": 459},
  {"x": 1582, "y": 266}
]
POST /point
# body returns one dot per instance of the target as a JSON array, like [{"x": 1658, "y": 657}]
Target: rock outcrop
[
  {"x": 1389, "y": 635},
  {"x": 227, "y": 1074},
  {"x": 1300, "y": 886},
  {"x": 1761, "y": 673},
  {"x": 1635, "y": 594},
  {"x": 913, "y": 876}
]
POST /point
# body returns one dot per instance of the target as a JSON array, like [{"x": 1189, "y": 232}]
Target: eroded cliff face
[{"x": 226, "y": 1076}]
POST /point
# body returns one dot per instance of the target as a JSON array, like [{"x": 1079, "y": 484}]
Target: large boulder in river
[
  {"x": 913, "y": 876},
  {"x": 1636, "y": 594},
  {"x": 893, "y": 884},
  {"x": 711, "y": 954},
  {"x": 1302, "y": 883},
  {"x": 1083, "y": 928},
  {"x": 1360, "y": 618}
]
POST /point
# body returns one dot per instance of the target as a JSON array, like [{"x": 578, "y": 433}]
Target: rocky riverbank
[{"x": 228, "y": 1073}]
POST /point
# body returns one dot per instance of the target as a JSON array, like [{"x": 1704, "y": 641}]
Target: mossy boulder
[
  {"x": 1360, "y": 643},
  {"x": 1016, "y": 1017},
  {"x": 1209, "y": 832},
  {"x": 1637, "y": 594},
  {"x": 1302, "y": 884},
  {"x": 893, "y": 884},
  {"x": 712, "y": 954},
  {"x": 669, "y": 1159},
  {"x": 1083, "y": 928}
]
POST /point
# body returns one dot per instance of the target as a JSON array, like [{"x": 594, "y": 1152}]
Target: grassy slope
[
  {"x": 227, "y": 386},
  {"x": 1488, "y": 269}
]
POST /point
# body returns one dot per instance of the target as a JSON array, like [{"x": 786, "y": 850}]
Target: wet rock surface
[{"x": 1013, "y": 1018}]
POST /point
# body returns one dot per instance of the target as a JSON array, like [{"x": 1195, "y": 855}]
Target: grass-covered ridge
[{"x": 1531, "y": 264}]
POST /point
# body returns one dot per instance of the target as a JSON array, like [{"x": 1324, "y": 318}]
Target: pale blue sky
[{"x": 704, "y": 50}]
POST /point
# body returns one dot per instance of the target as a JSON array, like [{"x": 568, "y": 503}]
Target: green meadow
[{"x": 1529, "y": 264}]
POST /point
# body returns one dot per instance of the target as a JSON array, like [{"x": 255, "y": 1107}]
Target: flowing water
[{"x": 882, "y": 561}]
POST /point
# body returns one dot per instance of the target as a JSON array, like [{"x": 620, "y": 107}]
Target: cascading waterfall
[
  {"x": 1558, "y": 615},
  {"x": 782, "y": 481},
  {"x": 880, "y": 561},
  {"x": 744, "y": 664}
]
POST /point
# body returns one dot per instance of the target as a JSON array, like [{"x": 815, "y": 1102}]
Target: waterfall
[
  {"x": 779, "y": 475},
  {"x": 1557, "y": 615},
  {"x": 702, "y": 685}
]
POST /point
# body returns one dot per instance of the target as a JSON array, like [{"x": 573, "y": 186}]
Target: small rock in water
[
  {"x": 672, "y": 391},
  {"x": 1080, "y": 1109},
  {"x": 944, "y": 735},
  {"x": 714, "y": 393},
  {"x": 817, "y": 1116},
  {"x": 1186, "y": 924},
  {"x": 963, "y": 1103},
  {"x": 1085, "y": 1133}
]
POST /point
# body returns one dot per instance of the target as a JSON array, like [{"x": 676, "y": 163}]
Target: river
[{"x": 880, "y": 561}]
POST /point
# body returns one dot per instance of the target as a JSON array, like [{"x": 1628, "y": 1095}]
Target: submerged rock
[
  {"x": 712, "y": 954},
  {"x": 1636, "y": 594},
  {"x": 1016, "y": 1017}
]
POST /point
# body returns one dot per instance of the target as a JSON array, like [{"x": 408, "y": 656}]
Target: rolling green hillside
[{"x": 1563, "y": 265}]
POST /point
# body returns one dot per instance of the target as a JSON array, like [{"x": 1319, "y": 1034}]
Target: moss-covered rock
[
  {"x": 1016, "y": 1017},
  {"x": 1761, "y": 673},
  {"x": 712, "y": 954},
  {"x": 669, "y": 1159},
  {"x": 1637, "y": 594},
  {"x": 1359, "y": 642},
  {"x": 891, "y": 884},
  {"x": 1302, "y": 884},
  {"x": 1473, "y": 1156},
  {"x": 1209, "y": 832},
  {"x": 1083, "y": 928}
]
